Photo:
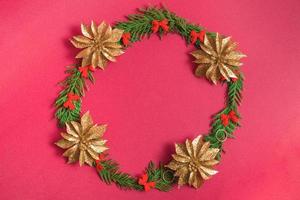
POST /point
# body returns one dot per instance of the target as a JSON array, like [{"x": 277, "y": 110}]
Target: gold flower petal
[
  {"x": 195, "y": 180},
  {"x": 95, "y": 59},
  {"x": 201, "y": 70},
  {"x": 65, "y": 144},
  {"x": 192, "y": 178},
  {"x": 189, "y": 147},
  {"x": 86, "y": 61},
  {"x": 69, "y": 137},
  {"x": 208, "y": 46},
  {"x": 180, "y": 149},
  {"x": 218, "y": 43},
  {"x": 211, "y": 73},
  {"x": 182, "y": 172},
  {"x": 113, "y": 52},
  {"x": 109, "y": 57},
  {"x": 86, "y": 121},
  {"x": 70, "y": 130},
  {"x": 203, "y": 174},
  {"x": 234, "y": 55},
  {"x": 113, "y": 45},
  {"x": 182, "y": 180},
  {"x": 78, "y": 44},
  {"x": 102, "y": 62},
  {"x": 86, "y": 31},
  {"x": 204, "y": 148},
  {"x": 210, "y": 163},
  {"x": 70, "y": 151},
  {"x": 77, "y": 127},
  {"x": 116, "y": 35},
  {"x": 226, "y": 41},
  {"x": 94, "y": 29},
  {"x": 84, "y": 53},
  {"x": 227, "y": 72},
  {"x": 93, "y": 154},
  {"x": 102, "y": 28},
  {"x": 233, "y": 63},
  {"x": 82, "y": 39},
  {"x": 82, "y": 156},
  {"x": 196, "y": 143},
  {"x": 210, "y": 154},
  {"x": 98, "y": 142},
  {"x": 230, "y": 47},
  {"x": 201, "y": 57},
  {"x": 181, "y": 158},
  {"x": 208, "y": 171},
  {"x": 73, "y": 157},
  {"x": 174, "y": 165},
  {"x": 98, "y": 149},
  {"x": 89, "y": 160},
  {"x": 107, "y": 34},
  {"x": 96, "y": 132}
]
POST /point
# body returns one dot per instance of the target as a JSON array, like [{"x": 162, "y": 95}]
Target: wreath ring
[{"x": 193, "y": 162}]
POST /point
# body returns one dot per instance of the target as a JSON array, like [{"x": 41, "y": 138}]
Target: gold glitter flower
[
  {"x": 217, "y": 58},
  {"x": 99, "y": 44},
  {"x": 83, "y": 140},
  {"x": 193, "y": 162}
]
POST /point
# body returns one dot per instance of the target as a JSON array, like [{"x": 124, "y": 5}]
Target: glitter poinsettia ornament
[
  {"x": 217, "y": 58},
  {"x": 100, "y": 44},
  {"x": 193, "y": 162},
  {"x": 83, "y": 141}
]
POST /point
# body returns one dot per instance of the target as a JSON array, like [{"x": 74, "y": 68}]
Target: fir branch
[
  {"x": 156, "y": 174},
  {"x": 234, "y": 92},
  {"x": 76, "y": 84},
  {"x": 110, "y": 173}
]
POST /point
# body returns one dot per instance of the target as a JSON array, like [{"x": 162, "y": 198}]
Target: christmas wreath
[{"x": 193, "y": 161}]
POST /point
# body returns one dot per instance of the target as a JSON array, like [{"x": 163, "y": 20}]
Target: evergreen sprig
[
  {"x": 110, "y": 174},
  {"x": 76, "y": 84}
]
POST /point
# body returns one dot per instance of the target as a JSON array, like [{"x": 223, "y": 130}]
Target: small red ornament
[
  {"x": 195, "y": 36},
  {"x": 84, "y": 70},
  {"x": 231, "y": 116},
  {"x": 126, "y": 38},
  {"x": 98, "y": 162},
  {"x": 147, "y": 185},
  {"x": 163, "y": 24},
  {"x": 234, "y": 79},
  {"x": 70, "y": 101}
]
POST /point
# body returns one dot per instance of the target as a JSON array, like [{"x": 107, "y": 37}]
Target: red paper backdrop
[{"x": 150, "y": 99}]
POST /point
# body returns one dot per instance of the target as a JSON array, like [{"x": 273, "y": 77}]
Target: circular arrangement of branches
[{"x": 138, "y": 26}]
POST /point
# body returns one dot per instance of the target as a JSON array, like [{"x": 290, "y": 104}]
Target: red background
[{"x": 150, "y": 99}]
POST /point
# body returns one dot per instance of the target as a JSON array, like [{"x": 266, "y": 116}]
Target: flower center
[
  {"x": 83, "y": 144},
  {"x": 192, "y": 166},
  {"x": 217, "y": 60},
  {"x": 97, "y": 44}
]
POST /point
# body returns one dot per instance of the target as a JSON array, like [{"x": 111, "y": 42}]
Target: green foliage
[
  {"x": 158, "y": 175},
  {"x": 139, "y": 25},
  {"x": 76, "y": 84},
  {"x": 111, "y": 174},
  {"x": 235, "y": 92}
]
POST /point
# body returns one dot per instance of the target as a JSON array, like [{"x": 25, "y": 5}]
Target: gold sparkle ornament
[
  {"x": 193, "y": 162},
  {"x": 83, "y": 141},
  {"x": 99, "y": 44},
  {"x": 217, "y": 58}
]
